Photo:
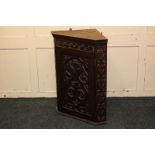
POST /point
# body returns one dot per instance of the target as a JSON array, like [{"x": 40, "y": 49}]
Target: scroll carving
[
  {"x": 74, "y": 45},
  {"x": 101, "y": 83},
  {"x": 75, "y": 84}
]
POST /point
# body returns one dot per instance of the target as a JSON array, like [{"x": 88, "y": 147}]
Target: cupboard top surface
[{"x": 91, "y": 34}]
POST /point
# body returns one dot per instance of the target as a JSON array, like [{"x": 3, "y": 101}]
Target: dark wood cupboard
[{"x": 81, "y": 73}]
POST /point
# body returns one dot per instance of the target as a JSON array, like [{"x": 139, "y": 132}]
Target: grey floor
[{"x": 40, "y": 113}]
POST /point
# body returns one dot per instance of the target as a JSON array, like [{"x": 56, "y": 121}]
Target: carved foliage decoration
[
  {"x": 101, "y": 82},
  {"x": 74, "y": 45},
  {"x": 75, "y": 84}
]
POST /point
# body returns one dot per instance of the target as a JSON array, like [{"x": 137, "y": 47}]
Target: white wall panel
[
  {"x": 150, "y": 69},
  {"x": 15, "y": 71},
  {"x": 16, "y": 31},
  {"x": 27, "y": 61},
  {"x": 151, "y": 30},
  {"x": 122, "y": 75},
  {"x": 46, "y": 70},
  {"x": 149, "y": 62}
]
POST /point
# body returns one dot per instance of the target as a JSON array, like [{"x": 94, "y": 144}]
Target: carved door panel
[{"x": 75, "y": 82}]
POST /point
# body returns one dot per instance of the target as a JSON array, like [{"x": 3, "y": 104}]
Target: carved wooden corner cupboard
[{"x": 81, "y": 72}]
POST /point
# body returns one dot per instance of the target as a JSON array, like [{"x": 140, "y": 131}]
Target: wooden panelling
[
  {"x": 122, "y": 75},
  {"x": 46, "y": 70},
  {"x": 27, "y": 61},
  {"x": 15, "y": 71},
  {"x": 150, "y": 69}
]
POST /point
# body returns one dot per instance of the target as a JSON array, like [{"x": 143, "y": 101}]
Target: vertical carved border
[{"x": 101, "y": 78}]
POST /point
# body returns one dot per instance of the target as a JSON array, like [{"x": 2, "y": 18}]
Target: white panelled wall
[{"x": 27, "y": 66}]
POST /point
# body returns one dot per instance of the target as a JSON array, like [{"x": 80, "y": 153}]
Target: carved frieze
[{"x": 67, "y": 44}]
